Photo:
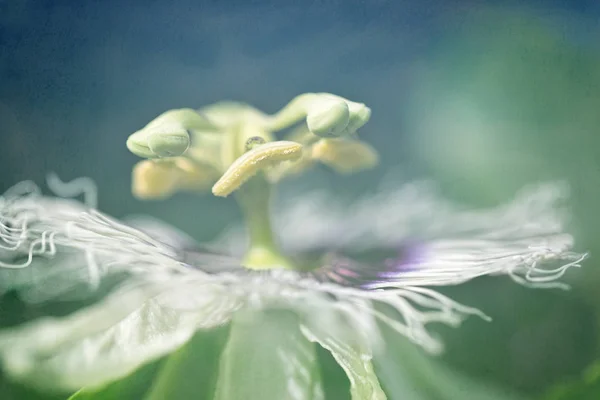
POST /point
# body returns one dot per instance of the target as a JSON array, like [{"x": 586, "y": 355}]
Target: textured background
[{"x": 482, "y": 99}]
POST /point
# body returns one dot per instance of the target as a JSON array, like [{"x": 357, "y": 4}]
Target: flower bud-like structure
[
  {"x": 329, "y": 119},
  {"x": 280, "y": 287}
]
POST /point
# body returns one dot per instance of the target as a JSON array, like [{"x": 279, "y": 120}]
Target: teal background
[{"x": 481, "y": 98}]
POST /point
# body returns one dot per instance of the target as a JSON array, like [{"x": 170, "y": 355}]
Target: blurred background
[{"x": 480, "y": 97}]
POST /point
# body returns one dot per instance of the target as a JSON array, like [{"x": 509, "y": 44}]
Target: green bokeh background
[{"x": 482, "y": 99}]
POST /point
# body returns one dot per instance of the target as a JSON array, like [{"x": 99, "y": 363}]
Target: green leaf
[
  {"x": 267, "y": 357},
  {"x": 133, "y": 386},
  {"x": 190, "y": 372},
  {"x": 10, "y": 390},
  {"x": 407, "y": 372},
  {"x": 585, "y": 388}
]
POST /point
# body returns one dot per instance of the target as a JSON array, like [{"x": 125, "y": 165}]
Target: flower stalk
[{"x": 254, "y": 201}]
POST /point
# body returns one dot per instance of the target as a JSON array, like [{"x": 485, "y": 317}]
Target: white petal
[
  {"x": 412, "y": 211},
  {"x": 113, "y": 337},
  {"x": 161, "y": 231},
  {"x": 524, "y": 239},
  {"x": 52, "y": 248}
]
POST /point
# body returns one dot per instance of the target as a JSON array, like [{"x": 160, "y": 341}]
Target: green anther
[
  {"x": 170, "y": 144},
  {"x": 327, "y": 115},
  {"x": 359, "y": 115},
  {"x": 168, "y": 134},
  {"x": 137, "y": 143},
  {"x": 328, "y": 118}
]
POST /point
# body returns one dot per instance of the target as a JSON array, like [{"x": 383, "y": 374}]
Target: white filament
[{"x": 48, "y": 245}]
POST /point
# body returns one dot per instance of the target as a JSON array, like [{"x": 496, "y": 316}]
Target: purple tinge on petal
[
  {"x": 409, "y": 258},
  {"x": 346, "y": 271}
]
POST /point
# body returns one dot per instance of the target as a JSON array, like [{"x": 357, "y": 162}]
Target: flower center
[{"x": 232, "y": 148}]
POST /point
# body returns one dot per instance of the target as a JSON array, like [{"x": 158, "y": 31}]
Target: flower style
[{"x": 383, "y": 255}]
